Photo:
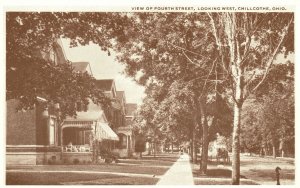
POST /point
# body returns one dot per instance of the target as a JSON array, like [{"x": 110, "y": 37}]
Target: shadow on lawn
[
  {"x": 215, "y": 173},
  {"x": 265, "y": 174},
  {"x": 170, "y": 159},
  {"x": 215, "y": 162},
  {"x": 161, "y": 157},
  {"x": 53, "y": 178},
  {"x": 160, "y": 160}
]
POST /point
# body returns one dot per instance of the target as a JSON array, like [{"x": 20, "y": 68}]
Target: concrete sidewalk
[{"x": 179, "y": 174}]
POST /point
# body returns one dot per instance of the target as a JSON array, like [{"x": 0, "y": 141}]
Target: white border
[{"x": 93, "y": 5}]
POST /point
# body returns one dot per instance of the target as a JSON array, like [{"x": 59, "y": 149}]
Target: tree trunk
[
  {"x": 204, "y": 151},
  {"x": 236, "y": 145},
  {"x": 154, "y": 149},
  {"x": 274, "y": 151},
  {"x": 194, "y": 148},
  {"x": 239, "y": 85},
  {"x": 273, "y": 144},
  {"x": 261, "y": 152},
  {"x": 149, "y": 148},
  {"x": 204, "y": 154},
  {"x": 267, "y": 149},
  {"x": 172, "y": 147},
  {"x": 281, "y": 147}
]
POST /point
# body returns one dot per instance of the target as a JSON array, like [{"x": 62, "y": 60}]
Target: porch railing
[{"x": 77, "y": 148}]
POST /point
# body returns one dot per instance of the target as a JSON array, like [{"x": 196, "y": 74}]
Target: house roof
[
  {"x": 121, "y": 97},
  {"x": 56, "y": 53},
  {"x": 130, "y": 109},
  {"x": 60, "y": 53},
  {"x": 105, "y": 85},
  {"x": 80, "y": 66}
]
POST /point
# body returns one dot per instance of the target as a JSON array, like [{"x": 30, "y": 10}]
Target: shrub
[
  {"x": 65, "y": 161},
  {"x": 52, "y": 160},
  {"x": 76, "y": 161},
  {"x": 108, "y": 160}
]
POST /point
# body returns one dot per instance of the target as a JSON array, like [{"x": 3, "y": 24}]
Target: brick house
[
  {"x": 120, "y": 117},
  {"x": 32, "y": 137},
  {"x": 126, "y": 145},
  {"x": 114, "y": 114},
  {"x": 87, "y": 128},
  {"x": 37, "y": 136}
]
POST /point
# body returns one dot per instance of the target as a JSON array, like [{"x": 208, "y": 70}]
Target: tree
[
  {"x": 163, "y": 49},
  {"x": 277, "y": 100},
  {"x": 252, "y": 129},
  {"x": 252, "y": 42},
  {"x": 219, "y": 53},
  {"x": 29, "y": 75},
  {"x": 140, "y": 145},
  {"x": 57, "y": 83},
  {"x": 170, "y": 48},
  {"x": 269, "y": 121},
  {"x": 33, "y": 32}
]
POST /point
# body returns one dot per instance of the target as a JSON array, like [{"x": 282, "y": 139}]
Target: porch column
[
  {"x": 61, "y": 142},
  {"x": 127, "y": 139},
  {"x": 130, "y": 143},
  {"x": 83, "y": 137}
]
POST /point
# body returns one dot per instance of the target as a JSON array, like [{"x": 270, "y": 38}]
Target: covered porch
[
  {"x": 77, "y": 136},
  {"x": 126, "y": 144},
  {"x": 81, "y": 139}
]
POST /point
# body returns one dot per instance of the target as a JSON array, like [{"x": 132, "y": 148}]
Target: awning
[
  {"x": 106, "y": 133},
  {"x": 101, "y": 130},
  {"x": 78, "y": 124}
]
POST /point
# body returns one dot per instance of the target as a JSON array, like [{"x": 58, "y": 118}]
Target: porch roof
[
  {"x": 78, "y": 124},
  {"x": 106, "y": 133},
  {"x": 101, "y": 130}
]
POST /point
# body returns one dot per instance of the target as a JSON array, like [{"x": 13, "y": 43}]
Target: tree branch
[
  {"x": 185, "y": 49},
  {"x": 191, "y": 60},
  {"x": 214, "y": 29},
  {"x": 208, "y": 76},
  {"x": 271, "y": 59}
]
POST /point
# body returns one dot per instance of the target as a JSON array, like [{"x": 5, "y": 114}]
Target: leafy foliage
[
  {"x": 272, "y": 119},
  {"x": 30, "y": 75},
  {"x": 183, "y": 59}
]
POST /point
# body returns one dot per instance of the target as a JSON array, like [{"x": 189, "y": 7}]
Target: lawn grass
[
  {"x": 160, "y": 160},
  {"x": 214, "y": 173},
  {"x": 216, "y": 176},
  {"x": 38, "y": 175},
  {"x": 253, "y": 170},
  {"x": 148, "y": 165},
  {"x": 118, "y": 181},
  {"x": 100, "y": 168},
  {"x": 221, "y": 182},
  {"x": 269, "y": 175},
  {"x": 52, "y": 178}
]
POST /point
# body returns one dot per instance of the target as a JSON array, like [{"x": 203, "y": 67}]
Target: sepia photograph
[{"x": 150, "y": 96}]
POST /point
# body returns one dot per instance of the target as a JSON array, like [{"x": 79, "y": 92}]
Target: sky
[{"x": 105, "y": 67}]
